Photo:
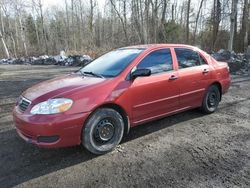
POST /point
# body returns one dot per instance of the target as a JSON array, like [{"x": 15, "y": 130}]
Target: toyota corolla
[{"x": 98, "y": 104}]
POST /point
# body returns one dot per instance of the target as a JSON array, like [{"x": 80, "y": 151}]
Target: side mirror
[{"x": 140, "y": 73}]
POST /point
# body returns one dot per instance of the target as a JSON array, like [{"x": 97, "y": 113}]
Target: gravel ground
[{"x": 184, "y": 150}]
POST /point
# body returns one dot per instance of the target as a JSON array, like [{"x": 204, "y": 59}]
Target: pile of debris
[
  {"x": 238, "y": 63},
  {"x": 62, "y": 59}
]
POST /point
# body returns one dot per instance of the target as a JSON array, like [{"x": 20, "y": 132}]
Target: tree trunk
[
  {"x": 43, "y": 28},
  {"x": 155, "y": 19},
  {"x": 4, "y": 46},
  {"x": 247, "y": 29},
  {"x": 182, "y": 19},
  {"x": 125, "y": 12},
  {"x": 216, "y": 21},
  {"x": 23, "y": 36},
  {"x": 163, "y": 21},
  {"x": 81, "y": 24},
  {"x": 36, "y": 26},
  {"x": 232, "y": 24},
  {"x": 17, "y": 35},
  {"x": 172, "y": 11},
  {"x": 187, "y": 22},
  {"x": 196, "y": 20},
  {"x": 73, "y": 26},
  {"x": 121, "y": 19},
  {"x": 14, "y": 45},
  {"x": 244, "y": 26},
  {"x": 67, "y": 25},
  {"x": 2, "y": 22}
]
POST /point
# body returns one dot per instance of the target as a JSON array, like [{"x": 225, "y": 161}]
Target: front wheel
[
  {"x": 103, "y": 131},
  {"x": 211, "y": 100}
]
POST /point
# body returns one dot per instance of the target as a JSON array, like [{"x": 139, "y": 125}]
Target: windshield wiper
[{"x": 93, "y": 74}]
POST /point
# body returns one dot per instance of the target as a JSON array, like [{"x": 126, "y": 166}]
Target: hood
[{"x": 60, "y": 85}]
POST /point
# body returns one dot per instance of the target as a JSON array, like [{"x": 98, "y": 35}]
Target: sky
[{"x": 49, "y": 3}]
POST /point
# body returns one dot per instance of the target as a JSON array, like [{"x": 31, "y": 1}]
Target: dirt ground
[{"x": 184, "y": 150}]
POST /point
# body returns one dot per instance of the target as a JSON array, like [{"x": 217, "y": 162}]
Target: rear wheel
[
  {"x": 103, "y": 131},
  {"x": 211, "y": 100}
]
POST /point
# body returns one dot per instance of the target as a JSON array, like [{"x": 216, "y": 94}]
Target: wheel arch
[
  {"x": 123, "y": 113},
  {"x": 119, "y": 109}
]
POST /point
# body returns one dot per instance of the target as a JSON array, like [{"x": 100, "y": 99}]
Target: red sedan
[{"x": 96, "y": 105}]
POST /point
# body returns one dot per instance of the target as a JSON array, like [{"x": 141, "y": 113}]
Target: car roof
[{"x": 152, "y": 46}]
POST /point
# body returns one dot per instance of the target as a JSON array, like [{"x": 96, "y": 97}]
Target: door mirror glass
[{"x": 140, "y": 73}]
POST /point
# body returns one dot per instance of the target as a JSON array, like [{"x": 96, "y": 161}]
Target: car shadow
[{"x": 21, "y": 162}]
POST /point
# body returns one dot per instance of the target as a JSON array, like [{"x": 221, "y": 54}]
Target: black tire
[
  {"x": 211, "y": 100},
  {"x": 103, "y": 131}
]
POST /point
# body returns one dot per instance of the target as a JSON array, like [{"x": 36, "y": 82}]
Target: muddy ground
[{"x": 184, "y": 150}]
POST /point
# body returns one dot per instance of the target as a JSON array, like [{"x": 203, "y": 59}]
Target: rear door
[
  {"x": 155, "y": 95},
  {"x": 194, "y": 74}
]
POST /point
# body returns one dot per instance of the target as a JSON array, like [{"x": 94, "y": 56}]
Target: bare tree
[
  {"x": 1, "y": 35},
  {"x": 232, "y": 23},
  {"x": 122, "y": 19},
  {"x": 91, "y": 17},
  {"x": 216, "y": 20},
  {"x": 43, "y": 27},
  {"x": 4, "y": 46},
  {"x": 36, "y": 27},
  {"x": 67, "y": 24},
  {"x": 196, "y": 20},
  {"x": 172, "y": 12},
  {"x": 163, "y": 18},
  {"x": 29, "y": 28},
  {"x": 73, "y": 25},
  {"x": 18, "y": 8},
  {"x": 81, "y": 24},
  {"x": 14, "y": 45},
  {"x": 245, "y": 24},
  {"x": 187, "y": 21}
]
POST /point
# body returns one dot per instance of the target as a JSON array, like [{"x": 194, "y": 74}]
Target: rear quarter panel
[{"x": 221, "y": 74}]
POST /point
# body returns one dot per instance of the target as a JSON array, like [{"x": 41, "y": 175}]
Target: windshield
[{"x": 112, "y": 63}]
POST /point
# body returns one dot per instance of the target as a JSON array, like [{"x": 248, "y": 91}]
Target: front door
[{"x": 158, "y": 94}]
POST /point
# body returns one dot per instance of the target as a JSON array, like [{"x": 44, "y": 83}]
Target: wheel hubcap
[
  {"x": 212, "y": 100},
  {"x": 105, "y": 130}
]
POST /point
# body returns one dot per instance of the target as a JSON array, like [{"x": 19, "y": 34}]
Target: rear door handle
[
  {"x": 205, "y": 71},
  {"x": 173, "y": 77}
]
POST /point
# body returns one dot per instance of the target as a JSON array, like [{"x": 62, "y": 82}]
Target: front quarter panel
[{"x": 87, "y": 100}]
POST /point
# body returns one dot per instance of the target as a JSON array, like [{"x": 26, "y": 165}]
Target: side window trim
[{"x": 202, "y": 59}]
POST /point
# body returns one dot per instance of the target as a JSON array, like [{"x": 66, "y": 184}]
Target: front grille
[{"x": 23, "y": 104}]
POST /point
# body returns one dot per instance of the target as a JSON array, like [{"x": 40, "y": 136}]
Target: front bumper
[{"x": 50, "y": 131}]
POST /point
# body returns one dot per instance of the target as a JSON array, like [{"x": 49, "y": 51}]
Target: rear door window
[{"x": 188, "y": 58}]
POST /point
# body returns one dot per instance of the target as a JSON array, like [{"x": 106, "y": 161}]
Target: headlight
[{"x": 52, "y": 106}]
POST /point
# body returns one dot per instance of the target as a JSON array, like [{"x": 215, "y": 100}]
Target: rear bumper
[{"x": 50, "y": 131}]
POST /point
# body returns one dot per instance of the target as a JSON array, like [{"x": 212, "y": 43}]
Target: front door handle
[
  {"x": 205, "y": 71},
  {"x": 173, "y": 77}
]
